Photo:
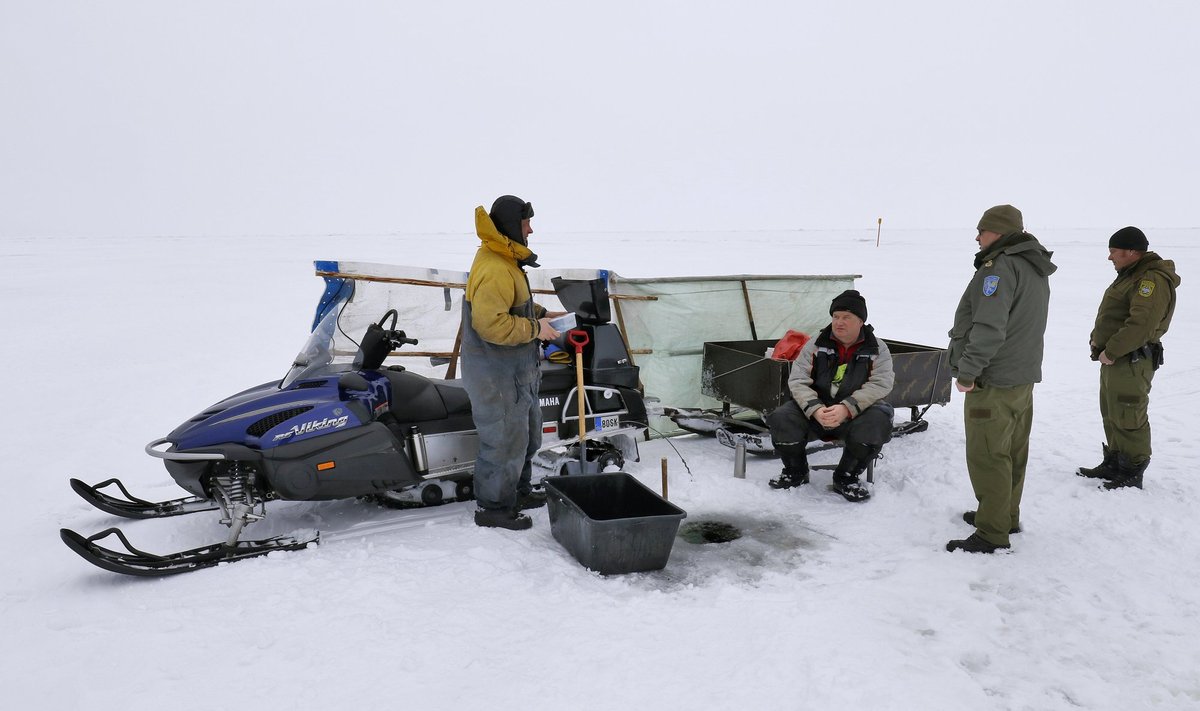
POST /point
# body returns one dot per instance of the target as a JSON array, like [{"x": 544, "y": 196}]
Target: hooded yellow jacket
[{"x": 502, "y": 311}]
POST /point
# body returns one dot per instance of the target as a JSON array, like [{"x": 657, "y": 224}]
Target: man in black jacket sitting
[{"x": 838, "y": 384}]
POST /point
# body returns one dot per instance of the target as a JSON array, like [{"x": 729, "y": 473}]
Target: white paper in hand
[{"x": 563, "y": 323}]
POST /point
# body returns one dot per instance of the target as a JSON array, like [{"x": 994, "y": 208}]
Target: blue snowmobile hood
[{"x": 265, "y": 416}]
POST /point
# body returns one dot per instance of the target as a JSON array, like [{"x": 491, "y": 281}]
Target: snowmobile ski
[
  {"x": 136, "y": 562},
  {"x": 133, "y": 507}
]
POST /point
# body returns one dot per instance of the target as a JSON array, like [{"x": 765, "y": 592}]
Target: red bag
[{"x": 790, "y": 345}]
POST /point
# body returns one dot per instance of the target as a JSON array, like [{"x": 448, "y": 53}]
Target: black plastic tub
[{"x": 612, "y": 523}]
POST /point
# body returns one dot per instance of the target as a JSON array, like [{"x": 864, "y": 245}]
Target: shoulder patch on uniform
[
  {"x": 1146, "y": 288},
  {"x": 990, "y": 284}
]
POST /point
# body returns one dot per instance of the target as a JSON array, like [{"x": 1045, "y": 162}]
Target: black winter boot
[
  {"x": 1128, "y": 473},
  {"x": 532, "y": 499},
  {"x": 974, "y": 544},
  {"x": 789, "y": 478},
  {"x": 1106, "y": 469},
  {"x": 502, "y": 518},
  {"x": 795, "y": 466},
  {"x": 855, "y": 458}
]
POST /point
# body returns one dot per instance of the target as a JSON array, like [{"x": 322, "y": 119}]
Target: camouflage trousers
[
  {"x": 1124, "y": 405},
  {"x": 997, "y": 423}
]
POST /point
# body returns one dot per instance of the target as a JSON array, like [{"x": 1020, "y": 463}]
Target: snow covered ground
[
  {"x": 821, "y": 605},
  {"x": 353, "y": 129}
]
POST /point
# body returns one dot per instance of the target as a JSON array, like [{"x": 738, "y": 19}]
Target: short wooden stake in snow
[
  {"x": 878, "y": 229},
  {"x": 664, "y": 479}
]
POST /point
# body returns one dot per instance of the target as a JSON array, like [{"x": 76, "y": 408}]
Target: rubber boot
[
  {"x": 1106, "y": 469},
  {"x": 795, "y": 466},
  {"x": 1129, "y": 474}
]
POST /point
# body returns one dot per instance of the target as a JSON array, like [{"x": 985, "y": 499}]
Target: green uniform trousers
[
  {"x": 997, "y": 424},
  {"x": 1124, "y": 401}
]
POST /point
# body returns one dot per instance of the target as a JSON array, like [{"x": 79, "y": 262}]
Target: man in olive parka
[
  {"x": 1134, "y": 313},
  {"x": 996, "y": 349},
  {"x": 501, "y": 330}
]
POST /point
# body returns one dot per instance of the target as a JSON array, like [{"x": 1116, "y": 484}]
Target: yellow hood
[{"x": 496, "y": 242}]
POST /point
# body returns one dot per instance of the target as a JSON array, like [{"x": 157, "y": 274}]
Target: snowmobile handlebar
[
  {"x": 390, "y": 313},
  {"x": 398, "y": 338},
  {"x": 180, "y": 456}
]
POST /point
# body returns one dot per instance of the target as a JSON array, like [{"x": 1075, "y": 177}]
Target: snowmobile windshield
[{"x": 317, "y": 352}]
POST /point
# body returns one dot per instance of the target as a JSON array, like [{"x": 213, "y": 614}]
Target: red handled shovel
[{"x": 579, "y": 339}]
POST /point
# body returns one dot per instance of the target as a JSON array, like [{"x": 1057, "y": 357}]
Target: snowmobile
[{"x": 342, "y": 430}]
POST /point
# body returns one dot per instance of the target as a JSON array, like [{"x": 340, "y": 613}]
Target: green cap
[{"x": 1002, "y": 219}]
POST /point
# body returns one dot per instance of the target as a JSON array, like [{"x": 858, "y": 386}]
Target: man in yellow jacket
[{"x": 501, "y": 330}]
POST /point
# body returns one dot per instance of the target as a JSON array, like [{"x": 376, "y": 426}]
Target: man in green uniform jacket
[
  {"x": 996, "y": 357},
  {"x": 1135, "y": 312}
]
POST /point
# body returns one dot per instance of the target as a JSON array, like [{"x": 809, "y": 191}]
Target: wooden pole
[
  {"x": 579, "y": 338},
  {"x": 453, "y": 284},
  {"x": 580, "y": 394},
  {"x": 749, "y": 311},
  {"x": 625, "y": 338},
  {"x": 621, "y": 328},
  {"x": 664, "y": 479},
  {"x": 453, "y": 369},
  {"x": 878, "y": 230}
]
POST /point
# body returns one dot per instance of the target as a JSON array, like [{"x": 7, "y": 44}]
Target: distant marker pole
[{"x": 878, "y": 230}]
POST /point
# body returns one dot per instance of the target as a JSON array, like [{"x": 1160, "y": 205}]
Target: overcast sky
[{"x": 302, "y": 117}]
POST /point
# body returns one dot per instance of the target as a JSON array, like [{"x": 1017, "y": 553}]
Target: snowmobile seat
[
  {"x": 454, "y": 396},
  {"x": 414, "y": 398}
]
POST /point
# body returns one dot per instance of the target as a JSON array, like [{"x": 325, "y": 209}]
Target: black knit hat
[
  {"x": 852, "y": 301},
  {"x": 1129, "y": 238},
  {"x": 507, "y": 213}
]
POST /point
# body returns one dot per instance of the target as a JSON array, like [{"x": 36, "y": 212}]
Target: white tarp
[
  {"x": 689, "y": 311},
  {"x": 666, "y": 321}
]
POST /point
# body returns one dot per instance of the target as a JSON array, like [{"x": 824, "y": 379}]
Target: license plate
[{"x": 608, "y": 422}]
